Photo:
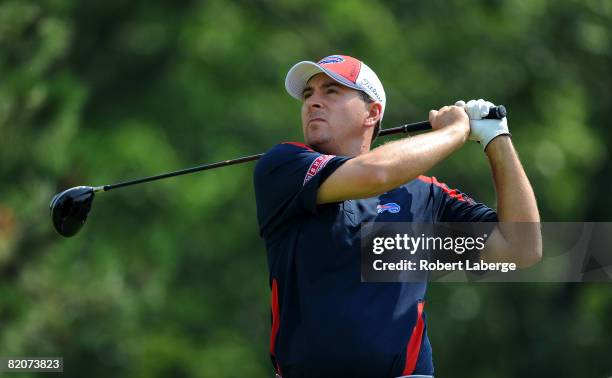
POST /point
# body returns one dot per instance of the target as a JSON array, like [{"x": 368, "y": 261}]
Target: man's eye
[
  {"x": 332, "y": 90},
  {"x": 306, "y": 95}
]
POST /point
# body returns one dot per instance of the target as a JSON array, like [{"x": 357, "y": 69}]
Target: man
[{"x": 312, "y": 198}]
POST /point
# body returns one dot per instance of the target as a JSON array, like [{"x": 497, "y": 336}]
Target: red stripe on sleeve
[
  {"x": 316, "y": 166},
  {"x": 414, "y": 344},
  {"x": 453, "y": 193},
  {"x": 301, "y": 145}
]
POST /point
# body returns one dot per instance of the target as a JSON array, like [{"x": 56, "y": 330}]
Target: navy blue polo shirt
[{"x": 325, "y": 321}]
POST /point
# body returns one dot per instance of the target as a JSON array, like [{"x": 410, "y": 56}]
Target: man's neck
[{"x": 346, "y": 149}]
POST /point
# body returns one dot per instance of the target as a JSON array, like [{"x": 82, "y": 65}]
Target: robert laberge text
[{"x": 425, "y": 265}]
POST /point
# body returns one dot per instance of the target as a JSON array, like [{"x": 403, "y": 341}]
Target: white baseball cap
[{"x": 346, "y": 70}]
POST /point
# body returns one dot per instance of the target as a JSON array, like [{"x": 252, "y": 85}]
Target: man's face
[{"x": 332, "y": 114}]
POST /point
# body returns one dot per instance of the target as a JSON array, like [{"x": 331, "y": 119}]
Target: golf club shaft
[
  {"x": 411, "y": 127},
  {"x": 495, "y": 112},
  {"x": 199, "y": 168}
]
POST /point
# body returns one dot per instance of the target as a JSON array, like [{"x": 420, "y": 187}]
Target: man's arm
[
  {"x": 398, "y": 162},
  {"x": 517, "y": 237}
]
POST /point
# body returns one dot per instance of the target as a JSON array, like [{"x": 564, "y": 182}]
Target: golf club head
[{"x": 69, "y": 209}]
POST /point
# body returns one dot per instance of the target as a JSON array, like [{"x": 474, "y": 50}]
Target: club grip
[{"x": 497, "y": 112}]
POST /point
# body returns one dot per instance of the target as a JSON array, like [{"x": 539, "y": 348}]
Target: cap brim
[{"x": 298, "y": 76}]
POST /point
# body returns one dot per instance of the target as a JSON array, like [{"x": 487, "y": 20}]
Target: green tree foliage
[{"x": 170, "y": 278}]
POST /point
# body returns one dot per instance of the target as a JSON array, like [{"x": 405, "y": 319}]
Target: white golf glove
[{"x": 483, "y": 130}]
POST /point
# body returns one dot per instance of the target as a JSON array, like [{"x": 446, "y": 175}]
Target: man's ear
[{"x": 374, "y": 114}]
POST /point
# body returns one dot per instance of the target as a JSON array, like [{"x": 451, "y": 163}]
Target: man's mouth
[{"x": 316, "y": 119}]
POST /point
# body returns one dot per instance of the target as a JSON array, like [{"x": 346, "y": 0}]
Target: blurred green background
[{"x": 170, "y": 278}]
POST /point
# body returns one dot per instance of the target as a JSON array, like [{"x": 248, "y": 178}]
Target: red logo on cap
[{"x": 345, "y": 66}]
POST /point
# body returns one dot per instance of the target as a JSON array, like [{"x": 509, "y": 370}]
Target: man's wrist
[
  {"x": 499, "y": 146},
  {"x": 458, "y": 131}
]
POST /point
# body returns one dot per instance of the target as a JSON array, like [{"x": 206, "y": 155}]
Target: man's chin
[{"x": 315, "y": 140}]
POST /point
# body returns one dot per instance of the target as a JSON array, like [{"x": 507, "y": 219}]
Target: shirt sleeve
[
  {"x": 286, "y": 180},
  {"x": 456, "y": 206},
  {"x": 464, "y": 217}
]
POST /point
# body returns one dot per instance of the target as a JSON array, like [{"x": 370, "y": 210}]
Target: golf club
[{"x": 69, "y": 209}]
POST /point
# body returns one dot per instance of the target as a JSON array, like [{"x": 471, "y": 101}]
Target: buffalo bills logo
[
  {"x": 391, "y": 207},
  {"x": 332, "y": 59}
]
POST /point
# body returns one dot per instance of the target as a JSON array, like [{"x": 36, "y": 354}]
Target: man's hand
[
  {"x": 393, "y": 164},
  {"x": 517, "y": 237},
  {"x": 483, "y": 130},
  {"x": 450, "y": 116}
]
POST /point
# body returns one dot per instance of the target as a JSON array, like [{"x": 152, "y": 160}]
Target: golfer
[{"x": 312, "y": 198}]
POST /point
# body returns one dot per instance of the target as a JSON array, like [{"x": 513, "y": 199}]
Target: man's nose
[{"x": 314, "y": 101}]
